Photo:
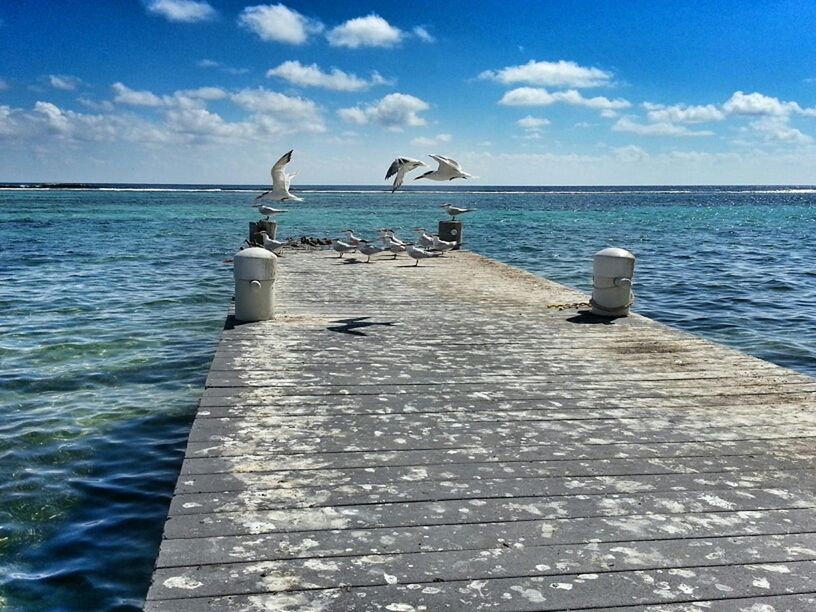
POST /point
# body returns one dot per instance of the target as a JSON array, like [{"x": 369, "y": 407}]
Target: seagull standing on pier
[
  {"x": 270, "y": 244},
  {"x": 400, "y": 167},
  {"x": 453, "y": 210},
  {"x": 425, "y": 240},
  {"x": 417, "y": 253},
  {"x": 368, "y": 249},
  {"x": 442, "y": 245},
  {"x": 267, "y": 211},
  {"x": 280, "y": 181},
  {"x": 342, "y": 247},
  {"x": 352, "y": 239},
  {"x": 448, "y": 170},
  {"x": 393, "y": 244}
]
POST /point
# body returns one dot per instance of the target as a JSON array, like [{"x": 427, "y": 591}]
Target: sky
[{"x": 527, "y": 92}]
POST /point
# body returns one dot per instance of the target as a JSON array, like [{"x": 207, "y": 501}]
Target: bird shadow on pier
[
  {"x": 350, "y": 326},
  {"x": 585, "y": 317}
]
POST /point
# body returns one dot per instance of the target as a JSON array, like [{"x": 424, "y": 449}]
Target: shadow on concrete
[
  {"x": 350, "y": 326},
  {"x": 585, "y": 317}
]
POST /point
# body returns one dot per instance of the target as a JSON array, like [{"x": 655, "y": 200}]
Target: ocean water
[{"x": 111, "y": 301}]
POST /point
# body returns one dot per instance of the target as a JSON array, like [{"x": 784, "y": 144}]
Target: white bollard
[
  {"x": 254, "y": 271},
  {"x": 612, "y": 273}
]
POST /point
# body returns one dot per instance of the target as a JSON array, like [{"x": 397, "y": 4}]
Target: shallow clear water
[{"x": 111, "y": 303}]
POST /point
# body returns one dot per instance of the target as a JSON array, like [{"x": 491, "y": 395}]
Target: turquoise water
[{"x": 111, "y": 302}]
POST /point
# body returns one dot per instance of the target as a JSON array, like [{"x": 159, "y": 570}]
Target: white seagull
[
  {"x": 270, "y": 244},
  {"x": 425, "y": 240},
  {"x": 454, "y": 210},
  {"x": 268, "y": 210},
  {"x": 417, "y": 253},
  {"x": 394, "y": 244},
  {"x": 367, "y": 248},
  {"x": 448, "y": 170},
  {"x": 342, "y": 247},
  {"x": 401, "y": 166},
  {"x": 352, "y": 239},
  {"x": 442, "y": 245},
  {"x": 280, "y": 181}
]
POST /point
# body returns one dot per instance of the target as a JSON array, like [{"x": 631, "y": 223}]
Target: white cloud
[
  {"x": 421, "y": 32},
  {"x": 300, "y": 114},
  {"x": 533, "y": 123},
  {"x": 125, "y": 95},
  {"x": 756, "y": 104},
  {"x": 185, "y": 11},
  {"x": 625, "y": 124},
  {"x": 312, "y": 76},
  {"x": 278, "y": 23},
  {"x": 533, "y": 96},
  {"x": 775, "y": 128},
  {"x": 208, "y": 63},
  {"x": 394, "y": 111},
  {"x": 425, "y": 141},
  {"x": 630, "y": 153},
  {"x": 370, "y": 31},
  {"x": 679, "y": 113},
  {"x": 203, "y": 93},
  {"x": 64, "y": 82},
  {"x": 553, "y": 74}
]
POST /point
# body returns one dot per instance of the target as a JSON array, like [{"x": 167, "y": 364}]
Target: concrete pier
[{"x": 462, "y": 435}]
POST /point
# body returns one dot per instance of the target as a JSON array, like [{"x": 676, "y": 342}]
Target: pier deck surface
[{"x": 459, "y": 436}]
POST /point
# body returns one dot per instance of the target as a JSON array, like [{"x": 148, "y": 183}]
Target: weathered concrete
[{"x": 461, "y": 435}]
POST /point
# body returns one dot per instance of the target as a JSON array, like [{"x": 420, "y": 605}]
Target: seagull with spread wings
[
  {"x": 400, "y": 167},
  {"x": 280, "y": 182},
  {"x": 448, "y": 170}
]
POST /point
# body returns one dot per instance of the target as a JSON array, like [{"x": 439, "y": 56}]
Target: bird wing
[
  {"x": 278, "y": 172},
  {"x": 447, "y": 161},
  {"x": 394, "y": 168}
]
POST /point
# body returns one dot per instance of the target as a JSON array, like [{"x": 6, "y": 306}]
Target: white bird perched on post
[
  {"x": 442, "y": 245},
  {"x": 401, "y": 166},
  {"x": 342, "y": 247},
  {"x": 270, "y": 244},
  {"x": 268, "y": 210},
  {"x": 454, "y": 210},
  {"x": 368, "y": 249},
  {"x": 280, "y": 181},
  {"x": 352, "y": 239},
  {"x": 425, "y": 239},
  {"x": 417, "y": 253},
  {"x": 448, "y": 170}
]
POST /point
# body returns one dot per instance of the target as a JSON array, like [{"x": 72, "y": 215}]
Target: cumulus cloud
[
  {"x": 312, "y": 76},
  {"x": 203, "y": 93},
  {"x": 370, "y": 31},
  {"x": 533, "y": 123},
  {"x": 270, "y": 106},
  {"x": 775, "y": 128},
  {"x": 757, "y": 104},
  {"x": 278, "y": 23},
  {"x": 395, "y": 112},
  {"x": 64, "y": 82},
  {"x": 432, "y": 141},
  {"x": 625, "y": 124},
  {"x": 185, "y": 11},
  {"x": 126, "y": 95},
  {"x": 550, "y": 74},
  {"x": 534, "y": 96},
  {"x": 679, "y": 113}
]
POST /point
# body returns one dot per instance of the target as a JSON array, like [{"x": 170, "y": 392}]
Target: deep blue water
[{"x": 111, "y": 302}]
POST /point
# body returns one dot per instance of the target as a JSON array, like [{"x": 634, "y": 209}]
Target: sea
[{"x": 112, "y": 298}]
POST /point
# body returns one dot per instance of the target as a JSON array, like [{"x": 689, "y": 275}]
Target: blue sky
[{"x": 521, "y": 93}]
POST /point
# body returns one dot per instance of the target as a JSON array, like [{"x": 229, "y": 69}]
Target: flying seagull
[
  {"x": 401, "y": 166},
  {"x": 268, "y": 210},
  {"x": 280, "y": 181},
  {"x": 448, "y": 170}
]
